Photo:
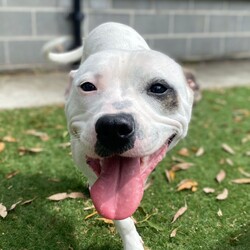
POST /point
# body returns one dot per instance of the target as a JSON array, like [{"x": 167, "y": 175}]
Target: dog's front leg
[{"x": 130, "y": 237}]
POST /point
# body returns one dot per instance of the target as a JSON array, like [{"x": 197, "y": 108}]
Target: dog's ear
[
  {"x": 68, "y": 88},
  {"x": 193, "y": 84}
]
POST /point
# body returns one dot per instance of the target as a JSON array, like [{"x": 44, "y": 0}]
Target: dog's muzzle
[{"x": 115, "y": 134}]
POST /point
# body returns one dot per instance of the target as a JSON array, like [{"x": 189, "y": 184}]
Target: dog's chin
[{"x": 120, "y": 182}]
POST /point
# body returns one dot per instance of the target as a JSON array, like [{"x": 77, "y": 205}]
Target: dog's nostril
[{"x": 124, "y": 130}]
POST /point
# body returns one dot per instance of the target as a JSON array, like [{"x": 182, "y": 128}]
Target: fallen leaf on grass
[
  {"x": 223, "y": 195},
  {"x": 183, "y": 152},
  {"x": 227, "y": 148},
  {"x": 107, "y": 221},
  {"x": 200, "y": 152},
  {"x": 3, "y": 211},
  {"x": 242, "y": 181},
  {"x": 229, "y": 162},
  {"x": 9, "y": 138},
  {"x": 76, "y": 195},
  {"x": 220, "y": 176},
  {"x": 173, "y": 233},
  {"x": 208, "y": 190},
  {"x": 23, "y": 150},
  {"x": 13, "y": 206},
  {"x": 219, "y": 213},
  {"x": 187, "y": 184},
  {"x": 242, "y": 171},
  {"x": 11, "y": 174},
  {"x": 181, "y": 166},
  {"x": 248, "y": 153},
  {"x": 2, "y": 146},
  {"x": 43, "y": 136},
  {"x": 63, "y": 196},
  {"x": 170, "y": 175},
  {"x": 28, "y": 201},
  {"x": 176, "y": 159},
  {"x": 90, "y": 215},
  {"x": 245, "y": 139},
  {"x": 180, "y": 212},
  {"x": 64, "y": 145}
]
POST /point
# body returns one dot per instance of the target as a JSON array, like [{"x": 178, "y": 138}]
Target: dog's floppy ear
[
  {"x": 193, "y": 84},
  {"x": 68, "y": 88}
]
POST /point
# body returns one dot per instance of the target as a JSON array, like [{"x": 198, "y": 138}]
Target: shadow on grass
[
  {"x": 40, "y": 224},
  {"x": 238, "y": 240}
]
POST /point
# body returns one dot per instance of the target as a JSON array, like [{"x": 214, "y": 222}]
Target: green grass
[{"x": 44, "y": 224}]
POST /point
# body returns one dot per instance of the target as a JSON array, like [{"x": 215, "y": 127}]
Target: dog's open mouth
[{"x": 119, "y": 188}]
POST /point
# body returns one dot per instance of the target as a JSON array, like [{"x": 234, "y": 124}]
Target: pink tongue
[{"x": 119, "y": 189}]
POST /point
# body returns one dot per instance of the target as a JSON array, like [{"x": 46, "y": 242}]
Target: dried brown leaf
[
  {"x": 90, "y": 215},
  {"x": 181, "y": 166},
  {"x": 28, "y": 201},
  {"x": 187, "y": 184},
  {"x": 3, "y": 211},
  {"x": 9, "y": 138},
  {"x": 58, "y": 197},
  {"x": 76, "y": 195},
  {"x": 241, "y": 181},
  {"x": 13, "y": 206},
  {"x": 23, "y": 150},
  {"x": 180, "y": 212},
  {"x": 183, "y": 152},
  {"x": 219, "y": 213},
  {"x": 12, "y": 174},
  {"x": 54, "y": 179},
  {"x": 248, "y": 153},
  {"x": 173, "y": 233},
  {"x": 229, "y": 162},
  {"x": 220, "y": 176},
  {"x": 170, "y": 175},
  {"x": 227, "y": 148},
  {"x": 200, "y": 152},
  {"x": 43, "y": 136},
  {"x": 176, "y": 159},
  {"x": 2, "y": 146},
  {"x": 245, "y": 139},
  {"x": 242, "y": 171},
  {"x": 223, "y": 195},
  {"x": 64, "y": 145},
  {"x": 107, "y": 221},
  {"x": 208, "y": 190}
]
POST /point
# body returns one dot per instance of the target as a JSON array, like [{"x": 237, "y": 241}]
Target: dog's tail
[{"x": 61, "y": 58}]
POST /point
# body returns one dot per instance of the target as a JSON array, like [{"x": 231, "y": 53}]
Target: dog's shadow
[{"x": 40, "y": 223}]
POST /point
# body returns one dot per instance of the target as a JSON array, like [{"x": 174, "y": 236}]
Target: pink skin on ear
[{"x": 68, "y": 87}]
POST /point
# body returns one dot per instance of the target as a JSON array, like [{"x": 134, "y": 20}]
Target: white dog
[{"x": 126, "y": 107}]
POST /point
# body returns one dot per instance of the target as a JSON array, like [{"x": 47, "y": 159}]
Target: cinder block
[
  {"x": 151, "y": 24},
  {"x": 173, "y": 47},
  {"x": 52, "y": 23},
  {"x": 32, "y": 3},
  {"x": 2, "y": 54},
  {"x": 132, "y": 4},
  {"x": 234, "y": 45},
  {"x": 15, "y": 23},
  {"x": 26, "y": 52},
  {"x": 238, "y": 5},
  {"x": 96, "y": 19},
  {"x": 189, "y": 23},
  {"x": 100, "y": 4},
  {"x": 207, "y": 5},
  {"x": 206, "y": 47},
  {"x": 245, "y": 23},
  {"x": 220, "y": 23},
  {"x": 171, "y": 4}
]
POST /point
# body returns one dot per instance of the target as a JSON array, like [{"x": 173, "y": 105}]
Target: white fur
[{"x": 119, "y": 62}]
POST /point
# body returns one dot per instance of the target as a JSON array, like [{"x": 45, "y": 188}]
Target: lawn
[{"x": 39, "y": 165}]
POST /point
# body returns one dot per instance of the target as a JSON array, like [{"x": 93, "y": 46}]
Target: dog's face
[{"x": 125, "y": 110}]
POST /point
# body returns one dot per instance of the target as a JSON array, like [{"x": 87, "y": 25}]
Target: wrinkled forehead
[{"x": 139, "y": 64}]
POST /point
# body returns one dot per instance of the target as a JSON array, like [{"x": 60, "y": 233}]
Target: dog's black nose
[{"x": 115, "y": 134}]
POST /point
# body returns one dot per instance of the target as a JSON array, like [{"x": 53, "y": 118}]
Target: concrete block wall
[{"x": 184, "y": 29}]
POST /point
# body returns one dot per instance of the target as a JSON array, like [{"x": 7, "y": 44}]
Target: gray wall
[{"x": 184, "y": 29}]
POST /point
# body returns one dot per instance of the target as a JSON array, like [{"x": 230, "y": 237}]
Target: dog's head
[{"x": 125, "y": 110}]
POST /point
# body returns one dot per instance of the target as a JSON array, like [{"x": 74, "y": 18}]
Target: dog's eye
[
  {"x": 88, "y": 86},
  {"x": 157, "y": 88}
]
